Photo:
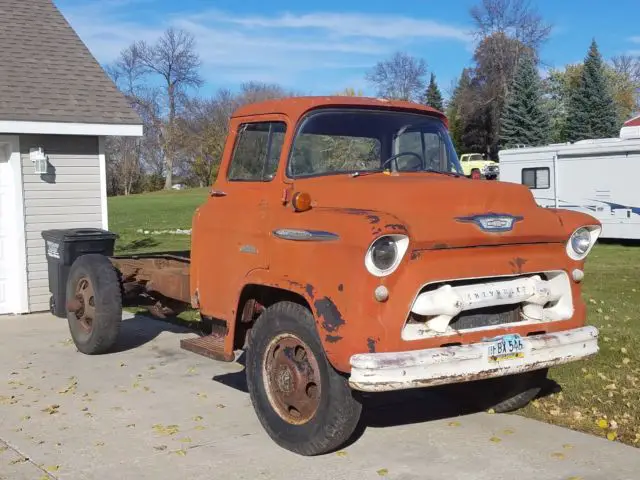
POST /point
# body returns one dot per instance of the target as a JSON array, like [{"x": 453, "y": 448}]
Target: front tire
[
  {"x": 93, "y": 292},
  {"x": 304, "y": 405}
]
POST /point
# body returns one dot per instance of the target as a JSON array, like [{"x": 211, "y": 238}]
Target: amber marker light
[{"x": 301, "y": 201}]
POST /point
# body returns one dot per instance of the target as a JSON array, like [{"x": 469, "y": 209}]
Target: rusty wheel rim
[
  {"x": 292, "y": 379},
  {"x": 86, "y": 298}
]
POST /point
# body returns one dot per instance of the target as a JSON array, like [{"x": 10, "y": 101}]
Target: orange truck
[{"x": 344, "y": 251}]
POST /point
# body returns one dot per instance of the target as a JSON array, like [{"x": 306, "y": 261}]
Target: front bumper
[{"x": 377, "y": 372}]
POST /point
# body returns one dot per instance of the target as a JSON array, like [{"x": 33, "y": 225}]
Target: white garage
[{"x": 57, "y": 106}]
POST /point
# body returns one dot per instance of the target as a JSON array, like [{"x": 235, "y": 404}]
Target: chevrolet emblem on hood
[{"x": 492, "y": 222}]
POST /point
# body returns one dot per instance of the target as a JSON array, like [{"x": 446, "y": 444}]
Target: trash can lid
[{"x": 77, "y": 234}]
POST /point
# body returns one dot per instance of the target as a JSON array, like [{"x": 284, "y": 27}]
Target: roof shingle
[{"x": 47, "y": 74}]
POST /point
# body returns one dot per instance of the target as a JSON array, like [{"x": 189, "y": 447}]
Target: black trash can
[{"x": 62, "y": 247}]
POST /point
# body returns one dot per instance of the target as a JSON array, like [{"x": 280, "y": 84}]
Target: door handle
[{"x": 217, "y": 193}]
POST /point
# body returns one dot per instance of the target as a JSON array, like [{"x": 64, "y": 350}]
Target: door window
[{"x": 257, "y": 152}]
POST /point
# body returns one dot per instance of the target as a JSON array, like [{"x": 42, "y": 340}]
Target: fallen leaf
[
  {"x": 221, "y": 406},
  {"x": 341, "y": 453},
  {"x": 574, "y": 478},
  {"x": 181, "y": 452},
  {"x": 558, "y": 455},
  {"x": 202, "y": 395},
  {"x": 191, "y": 370},
  {"x": 26, "y": 417},
  {"x": 567, "y": 446},
  {"x": 99, "y": 444},
  {"x": 508, "y": 431},
  {"x": 199, "y": 427},
  {"x": 131, "y": 425},
  {"x": 197, "y": 418},
  {"x": 185, "y": 440},
  {"x": 52, "y": 468},
  {"x": 51, "y": 409},
  {"x": 122, "y": 364},
  {"x": 495, "y": 439},
  {"x": 454, "y": 424},
  {"x": 160, "y": 448},
  {"x": 383, "y": 472},
  {"x": 69, "y": 388}
]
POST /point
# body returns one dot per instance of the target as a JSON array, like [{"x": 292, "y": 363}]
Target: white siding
[{"x": 68, "y": 197}]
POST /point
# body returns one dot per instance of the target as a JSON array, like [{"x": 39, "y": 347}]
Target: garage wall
[{"x": 69, "y": 196}]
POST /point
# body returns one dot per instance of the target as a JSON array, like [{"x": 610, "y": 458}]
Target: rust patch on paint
[
  {"x": 398, "y": 227},
  {"x": 329, "y": 314},
  {"x": 309, "y": 289},
  {"x": 341, "y": 288},
  {"x": 371, "y": 345},
  {"x": 333, "y": 338},
  {"x": 440, "y": 246},
  {"x": 416, "y": 254},
  {"x": 517, "y": 264}
]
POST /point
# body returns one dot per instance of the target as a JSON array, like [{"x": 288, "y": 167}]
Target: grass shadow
[{"x": 138, "y": 244}]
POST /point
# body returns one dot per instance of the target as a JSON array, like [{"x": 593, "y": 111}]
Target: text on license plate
[{"x": 505, "y": 347}]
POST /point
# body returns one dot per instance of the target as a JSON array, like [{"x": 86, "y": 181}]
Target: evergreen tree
[
  {"x": 433, "y": 97},
  {"x": 591, "y": 110},
  {"x": 454, "y": 109},
  {"x": 524, "y": 120}
]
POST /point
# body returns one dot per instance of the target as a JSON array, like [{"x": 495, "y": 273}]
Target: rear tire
[
  {"x": 94, "y": 287},
  {"x": 304, "y": 405}
]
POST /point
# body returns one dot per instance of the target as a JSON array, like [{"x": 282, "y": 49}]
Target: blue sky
[{"x": 323, "y": 47}]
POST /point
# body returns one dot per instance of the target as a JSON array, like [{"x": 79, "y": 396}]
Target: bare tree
[
  {"x": 400, "y": 77},
  {"x": 174, "y": 59},
  {"x": 514, "y": 18}
]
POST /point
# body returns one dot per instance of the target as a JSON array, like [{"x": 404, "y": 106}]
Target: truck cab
[{"x": 476, "y": 165}]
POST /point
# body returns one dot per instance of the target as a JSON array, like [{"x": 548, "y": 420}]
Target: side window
[
  {"x": 536, "y": 178},
  {"x": 257, "y": 152}
]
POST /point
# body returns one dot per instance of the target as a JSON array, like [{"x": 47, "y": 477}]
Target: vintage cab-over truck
[{"x": 343, "y": 249}]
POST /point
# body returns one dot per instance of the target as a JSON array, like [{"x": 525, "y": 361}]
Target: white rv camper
[{"x": 599, "y": 177}]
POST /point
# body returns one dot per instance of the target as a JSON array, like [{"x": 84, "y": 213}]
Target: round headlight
[
  {"x": 581, "y": 241},
  {"x": 384, "y": 253}
]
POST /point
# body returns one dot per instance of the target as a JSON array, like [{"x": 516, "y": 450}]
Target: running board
[{"x": 210, "y": 346}]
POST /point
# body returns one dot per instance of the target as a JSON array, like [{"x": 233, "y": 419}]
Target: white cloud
[
  {"x": 327, "y": 47},
  {"x": 635, "y": 39}
]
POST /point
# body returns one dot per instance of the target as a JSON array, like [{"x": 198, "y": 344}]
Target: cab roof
[{"x": 295, "y": 107}]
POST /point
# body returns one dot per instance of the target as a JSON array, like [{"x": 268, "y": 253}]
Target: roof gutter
[{"x": 66, "y": 128}]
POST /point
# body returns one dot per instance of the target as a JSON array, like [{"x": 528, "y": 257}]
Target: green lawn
[
  {"x": 600, "y": 396},
  {"x": 153, "y": 212}
]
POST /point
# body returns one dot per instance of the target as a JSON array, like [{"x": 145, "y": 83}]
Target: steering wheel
[{"x": 398, "y": 155}]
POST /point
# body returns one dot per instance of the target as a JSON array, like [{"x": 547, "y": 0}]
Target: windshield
[{"x": 358, "y": 141}]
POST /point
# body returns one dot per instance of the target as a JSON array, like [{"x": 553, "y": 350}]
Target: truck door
[{"x": 232, "y": 228}]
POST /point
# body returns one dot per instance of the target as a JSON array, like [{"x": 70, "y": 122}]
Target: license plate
[{"x": 505, "y": 348}]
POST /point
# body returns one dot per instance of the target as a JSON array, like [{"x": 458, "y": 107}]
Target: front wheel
[{"x": 305, "y": 405}]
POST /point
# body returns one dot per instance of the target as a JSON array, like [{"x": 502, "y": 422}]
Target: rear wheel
[
  {"x": 94, "y": 304},
  {"x": 305, "y": 405}
]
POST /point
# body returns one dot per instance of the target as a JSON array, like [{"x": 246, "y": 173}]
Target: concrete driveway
[{"x": 154, "y": 411}]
